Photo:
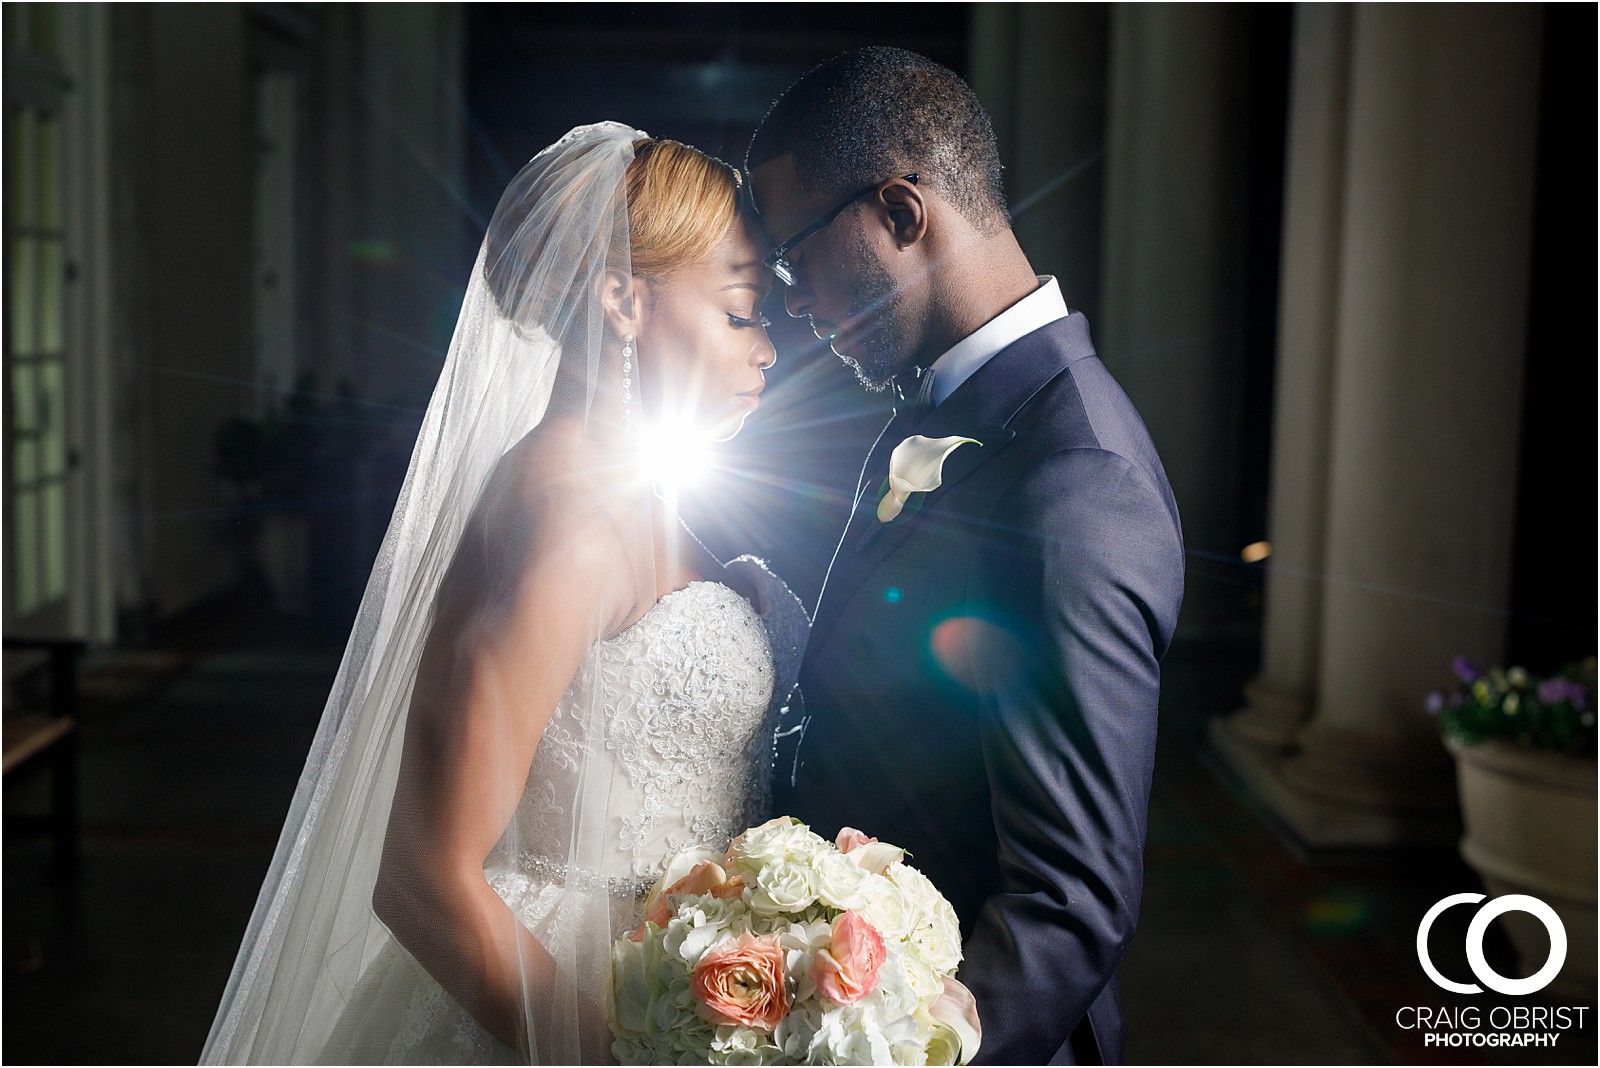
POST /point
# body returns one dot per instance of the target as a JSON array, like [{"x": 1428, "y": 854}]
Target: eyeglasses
[{"x": 778, "y": 259}]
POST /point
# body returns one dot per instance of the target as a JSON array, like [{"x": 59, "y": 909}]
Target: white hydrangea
[
  {"x": 703, "y": 924},
  {"x": 649, "y": 1003},
  {"x": 848, "y": 1035}
]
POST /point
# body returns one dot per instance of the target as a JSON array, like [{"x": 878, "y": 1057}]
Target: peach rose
[
  {"x": 732, "y": 888},
  {"x": 705, "y": 878},
  {"x": 847, "y": 970},
  {"x": 868, "y": 852},
  {"x": 850, "y": 838},
  {"x": 742, "y": 982}
]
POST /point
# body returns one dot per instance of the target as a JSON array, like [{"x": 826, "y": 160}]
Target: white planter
[{"x": 1530, "y": 820}]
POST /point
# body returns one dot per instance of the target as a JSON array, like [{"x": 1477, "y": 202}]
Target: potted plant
[{"x": 1525, "y": 768}]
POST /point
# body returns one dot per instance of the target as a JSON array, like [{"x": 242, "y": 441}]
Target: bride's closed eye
[{"x": 744, "y": 323}]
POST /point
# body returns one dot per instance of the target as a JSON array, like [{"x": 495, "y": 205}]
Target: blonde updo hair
[{"x": 680, "y": 204}]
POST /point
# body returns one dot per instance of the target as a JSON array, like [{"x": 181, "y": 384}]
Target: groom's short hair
[{"x": 874, "y": 113}]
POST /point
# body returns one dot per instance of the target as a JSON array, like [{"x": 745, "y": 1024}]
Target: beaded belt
[{"x": 575, "y": 878}]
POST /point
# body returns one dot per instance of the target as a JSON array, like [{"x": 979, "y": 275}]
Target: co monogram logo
[{"x": 1480, "y": 923}]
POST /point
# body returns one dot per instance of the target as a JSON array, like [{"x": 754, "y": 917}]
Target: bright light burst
[{"x": 674, "y": 454}]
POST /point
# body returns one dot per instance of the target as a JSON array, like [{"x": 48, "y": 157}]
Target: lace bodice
[
  {"x": 664, "y": 740},
  {"x": 671, "y": 723}
]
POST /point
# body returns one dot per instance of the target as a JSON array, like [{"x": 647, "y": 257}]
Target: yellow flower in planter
[{"x": 916, "y": 466}]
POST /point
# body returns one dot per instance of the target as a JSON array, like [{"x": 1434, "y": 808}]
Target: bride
[{"x": 551, "y": 686}]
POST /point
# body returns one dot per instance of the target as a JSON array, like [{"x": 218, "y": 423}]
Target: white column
[
  {"x": 1429, "y": 343},
  {"x": 1280, "y": 697},
  {"x": 1172, "y": 323}
]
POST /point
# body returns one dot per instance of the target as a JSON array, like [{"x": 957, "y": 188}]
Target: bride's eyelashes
[{"x": 748, "y": 323}]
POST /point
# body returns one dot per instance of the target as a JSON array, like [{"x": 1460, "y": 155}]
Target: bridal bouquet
[{"x": 790, "y": 949}]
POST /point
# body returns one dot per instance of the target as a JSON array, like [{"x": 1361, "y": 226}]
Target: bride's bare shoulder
[
  {"x": 551, "y": 501},
  {"x": 555, "y": 473}
]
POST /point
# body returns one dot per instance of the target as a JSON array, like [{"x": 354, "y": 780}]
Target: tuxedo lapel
[
  {"x": 877, "y": 461},
  {"x": 879, "y": 539},
  {"x": 982, "y": 408}
]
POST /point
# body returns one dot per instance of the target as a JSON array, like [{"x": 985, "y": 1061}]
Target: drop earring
[{"x": 627, "y": 383}]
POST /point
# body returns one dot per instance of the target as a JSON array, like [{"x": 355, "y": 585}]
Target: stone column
[
  {"x": 1280, "y": 697},
  {"x": 1172, "y": 326},
  {"x": 1428, "y": 351}
]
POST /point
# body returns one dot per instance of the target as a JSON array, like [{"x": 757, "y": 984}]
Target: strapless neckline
[{"x": 671, "y": 595}]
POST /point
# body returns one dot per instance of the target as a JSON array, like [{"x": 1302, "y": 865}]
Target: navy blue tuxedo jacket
[{"x": 980, "y": 685}]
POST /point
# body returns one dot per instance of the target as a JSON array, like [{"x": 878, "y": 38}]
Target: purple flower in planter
[
  {"x": 1435, "y": 703},
  {"x": 1556, "y": 690},
  {"x": 1465, "y": 669}
]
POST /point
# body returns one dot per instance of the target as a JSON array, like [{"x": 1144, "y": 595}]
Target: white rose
[
  {"x": 899, "y": 991},
  {"x": 935, "y": 933},
  {"x": 917, "y": 887},
  {"x": 841, "y": 883},
  {"x": 934, "y": 942},
  {"x": 775, "y": 840},
  {"x": 919, "y": 973},
  {"x": 888, "y": 911},
  {"x": 939, "y": 936},
  {"x": 783, "y": 886}
]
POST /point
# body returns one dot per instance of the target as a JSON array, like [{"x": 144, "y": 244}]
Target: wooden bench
[{"x": 49, "y": 736}]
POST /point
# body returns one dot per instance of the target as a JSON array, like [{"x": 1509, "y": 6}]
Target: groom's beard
[{"x": 878, "y": 344}]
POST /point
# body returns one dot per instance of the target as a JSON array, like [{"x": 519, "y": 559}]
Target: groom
[{"x": 981, "y": 681}]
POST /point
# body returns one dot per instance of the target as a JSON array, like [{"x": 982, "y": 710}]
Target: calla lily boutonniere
[{"x": 916, "y": 466}]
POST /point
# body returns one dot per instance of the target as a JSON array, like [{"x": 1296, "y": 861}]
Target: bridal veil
[{"x": 532, "y": 305}]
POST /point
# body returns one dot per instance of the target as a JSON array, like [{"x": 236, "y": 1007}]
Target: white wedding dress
[{"x": 691, "y": 694}]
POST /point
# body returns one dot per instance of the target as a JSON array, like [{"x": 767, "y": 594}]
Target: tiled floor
[{"x": 1245, "y": 954}]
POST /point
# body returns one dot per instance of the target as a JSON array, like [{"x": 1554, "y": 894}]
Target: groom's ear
[
  {"x": 619, "y": 299},
  {"x": 906, "y": 209}
]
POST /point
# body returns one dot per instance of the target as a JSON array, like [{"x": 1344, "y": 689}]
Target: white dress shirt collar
[{"x": 1040, "y": 308}]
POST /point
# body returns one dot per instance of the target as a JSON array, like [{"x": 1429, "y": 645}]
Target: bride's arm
[{"x": 504, "y": 646}]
